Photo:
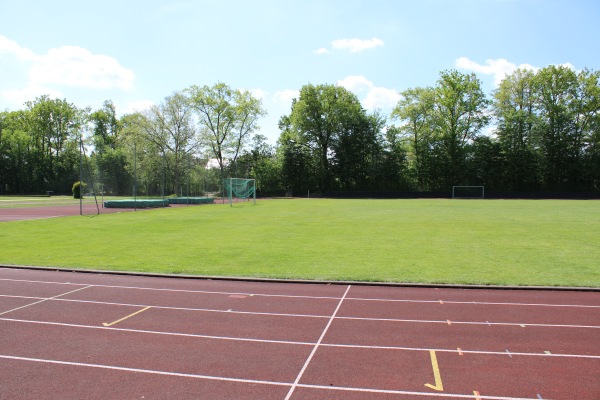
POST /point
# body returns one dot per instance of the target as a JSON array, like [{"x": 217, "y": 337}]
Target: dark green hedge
[
  {"x": 191, "y": 200},
  {"x": 131, "y": 203}
]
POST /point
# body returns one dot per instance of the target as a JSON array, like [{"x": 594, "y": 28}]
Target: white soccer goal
[
  {"x": 468, "y": 192},
  {"x": 238, "y": 188}
]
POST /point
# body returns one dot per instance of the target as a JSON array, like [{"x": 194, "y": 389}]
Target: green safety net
[{"x": 239, "y": 188}]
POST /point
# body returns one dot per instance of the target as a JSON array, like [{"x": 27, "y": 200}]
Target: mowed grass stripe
[{"x": 516, "y": 242}]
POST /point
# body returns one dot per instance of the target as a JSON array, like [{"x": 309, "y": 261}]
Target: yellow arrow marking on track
[
  {"x": 124, "y": 318},
  {"x": 436, "y": 373}
]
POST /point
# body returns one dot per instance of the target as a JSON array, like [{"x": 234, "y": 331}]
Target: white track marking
[
  {"x": 305, "y": 296},
  {"x": 253, "y": 381},
  {"x": 145, "y": 371},
  {"x": 390, "y": 391},
  {"x": 314, "y": 350},
  {"x": 43, "y": 300},
  {"x": 288, "y": 342},
  {"x": 398, "y": 320},
  {"x": 143, "y": 331}
]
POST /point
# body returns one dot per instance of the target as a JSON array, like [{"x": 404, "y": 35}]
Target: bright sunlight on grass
[{"x": 443, "y": 241}]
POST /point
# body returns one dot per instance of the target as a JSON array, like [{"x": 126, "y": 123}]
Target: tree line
[{"x": 539, "y": 131}]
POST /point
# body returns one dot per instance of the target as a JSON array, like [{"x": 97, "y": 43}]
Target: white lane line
[
  {"x": 190, "y": 335},
  {"x": 177, "y": 290},
  {"x": 305, "y": 296},
  {"x": 252, "y": 381},
  {"x": 390, "y": 391},
  {"x": 487, "y": 323},
  {"x": 288, "y": 342},
  {"x": 145, "y": 371},
  {"x": 314, "y": 350},
  {"x": 398, "y": 320},
  {"x": 486, "y": 303},
  {"x": 43, "y": 300}
]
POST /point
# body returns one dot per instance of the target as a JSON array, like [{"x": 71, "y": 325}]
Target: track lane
[{"x": 258, "y": 320}]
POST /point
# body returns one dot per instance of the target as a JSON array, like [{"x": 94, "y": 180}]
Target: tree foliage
[{"x": 539, "y": 131}]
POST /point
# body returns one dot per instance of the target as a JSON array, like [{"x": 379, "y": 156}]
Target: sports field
[{"x": 504, "y": 242}]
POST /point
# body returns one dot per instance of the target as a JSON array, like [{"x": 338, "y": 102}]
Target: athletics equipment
[
  {"x": 468, "y": 192},
  {"x": 239, "y": 188}
]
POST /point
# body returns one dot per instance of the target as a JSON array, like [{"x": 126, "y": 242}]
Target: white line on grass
[{"x": 254, "y": 381}]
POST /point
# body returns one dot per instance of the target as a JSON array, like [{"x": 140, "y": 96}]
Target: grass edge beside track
[{"x": 302, "y": 281}]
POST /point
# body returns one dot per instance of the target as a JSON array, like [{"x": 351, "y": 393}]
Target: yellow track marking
[
  {"x": 476, "y": 393},
  {"x": 436, "y": 373},
  {"x": 124, "y": 318},
  {"x": 460, "y": 352}
]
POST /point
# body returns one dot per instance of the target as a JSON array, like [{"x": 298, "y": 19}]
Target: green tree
[
  {"x": 514, "y": 107},
  {"x": 55, "y": 127},
  {"x": 169, "y": 127},
  {"x": 460, "y": 113},
  {"x": 227, "y": 119},
  {"x": 415, "y": 113},
  {"x": 109, "y": 158},
  {"x": 329, "y": 121}
]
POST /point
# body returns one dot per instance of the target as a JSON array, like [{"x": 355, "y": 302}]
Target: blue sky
[{"x": 138, "y": 52}]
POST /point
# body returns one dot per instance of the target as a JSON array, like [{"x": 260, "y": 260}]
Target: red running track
[
  {"x": 97, "y": 336},
  {"x": 42, "y": 212}
]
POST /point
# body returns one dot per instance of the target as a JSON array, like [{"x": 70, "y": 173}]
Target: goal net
[
  {"x": 468, "y": 192},
  {"x": 239, "y": 189}
]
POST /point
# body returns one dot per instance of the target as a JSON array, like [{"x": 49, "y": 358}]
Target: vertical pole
[
  {"x": 134, "y": 176},
  {"x": 254, "y": 194},
  {"x": 80, "y": 175},
  {"x": 188, "y": 182},
  {"x": 162, "y": 185}
]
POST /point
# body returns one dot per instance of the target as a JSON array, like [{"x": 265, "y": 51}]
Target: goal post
[
  {"x": 239, "y": 188},
  {"x": 468, "y": 192}
]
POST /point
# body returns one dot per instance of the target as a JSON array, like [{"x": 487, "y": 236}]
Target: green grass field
[{"x": 505, "y": 242}]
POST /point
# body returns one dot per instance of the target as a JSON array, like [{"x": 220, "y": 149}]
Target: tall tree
[
  {"x": 326, "y": 119},
  {"x": 109, "y": 157},
  {"x": 169, "y": 127},
  {"x": 460, "y": 114},
  {"x": 227, "y": 119},
  {"x": 515, "y": 112},
  {"x": 55, "y": 126},
  {"x": 415, "y": 113}
]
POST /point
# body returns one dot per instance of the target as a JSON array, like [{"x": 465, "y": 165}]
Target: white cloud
[
  {"x": 69, "y": 66},
  {"x": 138, "y": 106},
  {"x": 356, "y": 45},
  {"x": 12, "y": 47},
  {"x": 76, "y": 66},
  {"x": 499, "y": 68},
  {"x": 356, "y": 83},
  {"x": 258, "y": 93},
  {"x": 373, "y": 97},
  {"x": 351, "y": 45},
  {"x": 20, "y": 96},
  {"x": 380, "y": 97},
  {"x": 286, "y": 96}
]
